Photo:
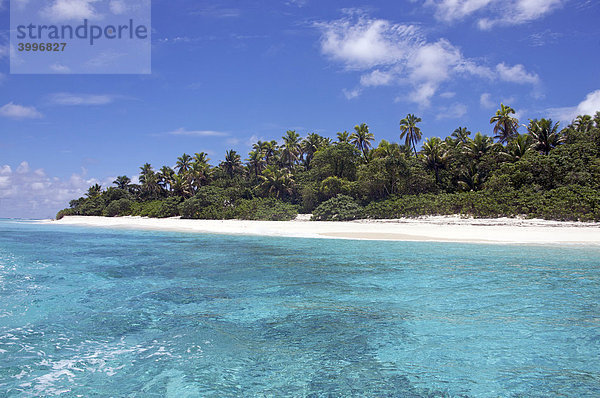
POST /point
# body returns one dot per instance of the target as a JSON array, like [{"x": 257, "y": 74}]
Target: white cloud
[
  {"x": 589, "y": 106},
  {"x": 455, "y": 111},
  {"x": 117, "y": 7},
  {"x": 448, "y": 94},
  {"x": 497, "y": 12},
  {"x": 351, "y": 94},
  {"x": 516, "y": 74},
  {"x": 65, "y": 10},
  {"x": 451, "y": 10},
  {"x": 60, "y": 68},
  {"x": 23, "y": 168},
  {"x": 33, "y": 194},
  {"x": 364, "y": 43},
  {"x": 80, "y": 99},
  {"x": 517, "y": 12},
  {"x": 486, "y": 101},
  {"x": 431, "y": 65},
  {"x": 15, "y": 111},
  {"x": 198, "y": 133},
  {"x": 390, "y": 54},
  {"x": 376, "y": 78}
]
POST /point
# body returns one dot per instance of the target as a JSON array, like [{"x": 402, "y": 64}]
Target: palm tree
[
  {"x": 361, "y": 138},
  {"x": 199, "y": 174},
  {"x": 270, "y": 150},
  {"x": 145, "y": 172},
  {"x": 506, "y": 126},
  {"x": 277, "y": 182},
  {"x": 165, "y": 178},
  {"x": 255, "y": 162},
  {"x": 149, "y": 181},
  {"x": 199, "y": 171},
  {"x": 517, "y": 148},
  {"x": 583, "y": 123},
  {"x": 470, "y": 179},
  {"x": 311, "y": 144},
  {"x": 232, "y": 164},
  {"x": 386, "y": 149},
  {"x": 201, "y": 158},
  {"x": 545, "y": 135},
  {"x": 181, "y": 186},
  {"x": 461, "y": 134},
  {"x": 435, "y": 156},
  {"x": 478, "y": 146},
  {"x": 94, "y": 191},
  {"x": 291, "y": 148},
  {"x": 410, "y": 132},
  {"x": 183, "y": 163},
  {"x": 122, "y": 182},
  {"x": 343, "y": 137}
]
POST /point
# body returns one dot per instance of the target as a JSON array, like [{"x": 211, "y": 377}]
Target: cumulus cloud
[
  {"x": 589, "y": 106},
  {"x": 363, "y": 43},
  {"x": 66, "y": 10},
  {"x": 376, "y": 78},
  {"x": 197, "y": 133},
  {"x": 486, "y": 101},
  {"x": 497, "y": 12},
  {"x": 516, "y": 74},
  {"x": 15, "y": 111},
  {"x": 397, "y": 54},
  {"x": 80, "y": 99},
  {"x": 31, "y": 193}
]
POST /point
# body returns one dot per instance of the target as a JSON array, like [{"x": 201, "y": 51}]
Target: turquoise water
[{"x": 99, "y": 312}]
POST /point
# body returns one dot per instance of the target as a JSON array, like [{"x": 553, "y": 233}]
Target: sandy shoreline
[{"x": 436, "y": 229}]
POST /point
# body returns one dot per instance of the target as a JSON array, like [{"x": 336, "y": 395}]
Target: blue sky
[{"x": 227, "y": 73}]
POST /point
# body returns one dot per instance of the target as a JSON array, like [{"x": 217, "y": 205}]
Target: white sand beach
[{"x": 435, "y": 228}]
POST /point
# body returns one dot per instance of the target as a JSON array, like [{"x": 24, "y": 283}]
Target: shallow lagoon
[{"x": 88, "y": 311}]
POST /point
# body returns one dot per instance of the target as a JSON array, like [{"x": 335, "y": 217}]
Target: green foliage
[
  {"x": 209, "y": 203},
  {"x": 65, "y": 212},
  {"x": 333, "y": 186},
  {"x": 568, "y": 203},
  {"x": 265, "y": 209},
  {"x": 119, "y": 207},
  {"x": 93, "y": 206},
  {"x": 546, "y": 172},
  {"x": 339, "y": 160},
  {"x": 157, "y": 208},
  {"x": 340, "y": 208}
]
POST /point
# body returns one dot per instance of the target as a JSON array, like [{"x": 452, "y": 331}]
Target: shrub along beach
[{"x": 544, "y": 172}]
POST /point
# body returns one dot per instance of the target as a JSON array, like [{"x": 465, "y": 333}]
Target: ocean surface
[{"x": 90, "y": 312}]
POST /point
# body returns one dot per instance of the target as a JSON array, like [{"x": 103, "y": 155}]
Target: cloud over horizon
[
  {"x": 589, "y": 106},
  {"x": 25, "y": 192}
]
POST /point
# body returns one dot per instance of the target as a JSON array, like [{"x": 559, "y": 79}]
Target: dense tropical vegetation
[{"x": 543, "y": 171}]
